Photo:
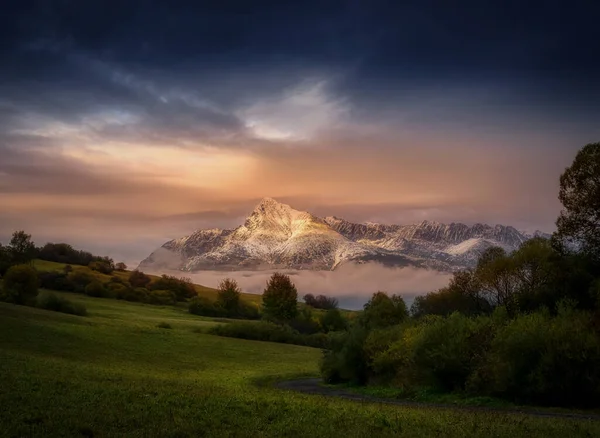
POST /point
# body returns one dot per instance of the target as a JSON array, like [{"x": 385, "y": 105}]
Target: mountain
[{"x": 276, "y": 236}]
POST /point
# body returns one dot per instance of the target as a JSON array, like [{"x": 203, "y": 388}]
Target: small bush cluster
[
  {"x": 270, "y": 332},
  {"x": 51, "y": 301}
]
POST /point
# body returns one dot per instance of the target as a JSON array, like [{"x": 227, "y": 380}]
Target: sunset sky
[{"x": 123, "y": 125}]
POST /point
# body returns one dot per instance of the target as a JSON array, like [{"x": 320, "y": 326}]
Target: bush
[
  {"x": 56, "y": 281},
  {"x": 104, "y": 267},
  {"x": 269, "y": 332},
  {"x": 181, "y": 287},
  {"x": 161, "y": 297},
  {"x": 333, "y": 320},
  {"x": 95, "y": 289},
  {"x": 80, "y": 279},
  {"x": 204, "y": 307},
  {"x": 345, "y": 360},
  {"x": 320, "y": 301},
  {"x": 139, "y": 279},
  {"x": 449, "y": 349},
  {"x": 20, "y": 285},
  {"x": 51, "y": 301},
  {"x": 305, "y": 323},
  {"x": 545, "y": 360}
]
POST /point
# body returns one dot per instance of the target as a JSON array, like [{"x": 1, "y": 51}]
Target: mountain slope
[{"x": 277, "y": 236}]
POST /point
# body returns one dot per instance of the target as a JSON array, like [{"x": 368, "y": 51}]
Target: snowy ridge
[{"x": 277, "y": 236}]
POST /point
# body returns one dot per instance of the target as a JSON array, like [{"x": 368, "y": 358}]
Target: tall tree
[
  {"x": 579, "y": 221},
  {"x": 280, "y": 298},
  {"x": 496, "y": 275},
  {"x": 229, "y": 294},
  {"x": 21, "y": 248},
  {"x": 384, "y": 311}
]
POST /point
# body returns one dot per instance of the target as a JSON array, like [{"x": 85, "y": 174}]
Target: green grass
[{"x": 115, "y": 373}]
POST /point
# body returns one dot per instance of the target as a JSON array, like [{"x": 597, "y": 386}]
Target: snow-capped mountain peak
[{"x": 275, "y": 235}]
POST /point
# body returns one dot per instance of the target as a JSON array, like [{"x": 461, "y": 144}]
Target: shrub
[
  {"x": 345, "y": 360},
  {"x": 102, "y": 266},
  {"x": 164, "y": 325},
  {"x": 546, "y": 360},
  {"x": 248, "y": 311},
  {"x": 181, "y": 287},
  {"x": 95, "y": 289},
  {"x": 305, "y": 323},
  {"x": 161, "y": 297},
  {"x": 20, "y": 284},
  {"x": 449, "y": 349},
  {"x": 80, "y": 279},
  {"x": 320, "y": 301},
  {"x": 333, "y": 320},
  {"x": 51, "y": 301},
  {"x": 139, "y": 279},
  {"x": 269, "y": 332},
  {"x": 56, "y": 281},
  {"x": 204, "y": 307}
]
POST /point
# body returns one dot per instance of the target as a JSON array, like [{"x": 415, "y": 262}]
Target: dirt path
[{"x": 313, "y": 386}]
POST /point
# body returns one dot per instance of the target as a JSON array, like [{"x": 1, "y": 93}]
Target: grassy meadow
[{"x": 116, "y": 373}]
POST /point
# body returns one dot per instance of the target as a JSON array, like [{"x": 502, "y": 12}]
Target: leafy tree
[
  {"x": 320, "y": 301},
  {"x": 496, "y": 275},
  {"x": 20, "y": 284},
  {"x": 102, "y": 266},
  {"x": 280, "y": 298},
  {"x": 139, "y": 279},
  {"x": 463, "y": 295},
  {"x": 310, "y": 300},
  {"x": 21, "y": 248},
  {"x": 121, "y": 266},
  {"x": 384, "y": 311},
  {"x": 229, "y": 294},
  {"x": 579, "y": 221}
]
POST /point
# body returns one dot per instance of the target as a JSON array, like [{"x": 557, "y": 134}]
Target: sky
[{"x": 124, "y": 124}]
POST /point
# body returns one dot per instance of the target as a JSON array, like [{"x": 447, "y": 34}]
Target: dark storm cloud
[{"x": 544, "y": 48}]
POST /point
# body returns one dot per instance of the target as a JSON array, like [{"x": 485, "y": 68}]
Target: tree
[
  {"x": 463, "y": 295},
  {"x": 20, "y": 284},
  {"x": 320, "y": 301},
  {"x": 121, "y": 266},
  {"x": 21, "y": 248},
  {"x": 280, "y": 298},
  {"x": 384, "y": 311},
  {"x": 5, "y": 259},
  {"x": 579, "y": 221},
  {"x": 496, "y": 274},
  {"x": 229, "y": 294},
  {"x": 139, "y": 279}
]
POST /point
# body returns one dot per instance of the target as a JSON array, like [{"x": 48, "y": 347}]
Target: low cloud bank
[{"x": 351, "y": 284}]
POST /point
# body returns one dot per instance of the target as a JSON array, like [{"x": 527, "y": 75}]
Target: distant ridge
[{"x": 276, "y": 236}]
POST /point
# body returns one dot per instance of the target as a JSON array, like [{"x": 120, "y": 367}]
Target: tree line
[{"x": 523, "y": 326}]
